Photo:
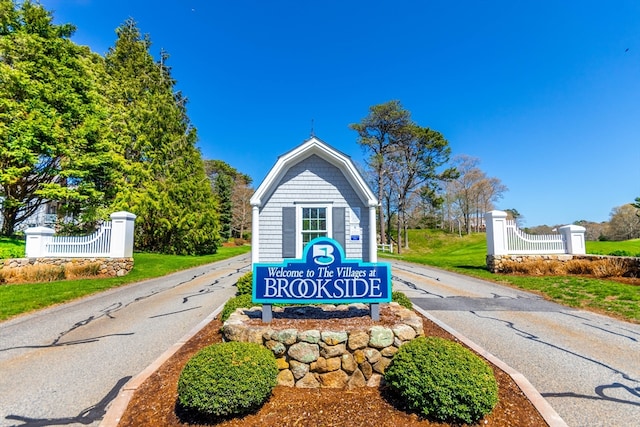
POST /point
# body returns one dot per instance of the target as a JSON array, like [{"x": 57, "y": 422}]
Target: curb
[
  {"x": 119, "y": 405},
  {"x": 540, "y": 403}
]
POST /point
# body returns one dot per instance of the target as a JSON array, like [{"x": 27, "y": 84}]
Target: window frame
[{"x": 327, "y": 206}]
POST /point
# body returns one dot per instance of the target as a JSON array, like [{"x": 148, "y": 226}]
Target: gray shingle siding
[{"x": 311, "y": 180}]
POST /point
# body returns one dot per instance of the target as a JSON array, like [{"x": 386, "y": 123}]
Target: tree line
[
  {"x": 417, "y": 181},
  {"x": 623, "y": 224},
  {"x": 420, "y": 185},
  {"x": 93, "y": 135}
]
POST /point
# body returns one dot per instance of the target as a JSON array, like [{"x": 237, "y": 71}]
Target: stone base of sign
[{"x": 349, "y": 352}]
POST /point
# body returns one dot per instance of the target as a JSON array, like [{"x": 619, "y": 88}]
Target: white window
[{"x": 313, "y": 220}]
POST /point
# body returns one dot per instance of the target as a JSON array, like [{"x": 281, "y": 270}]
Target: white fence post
[
  {"x": 574, "y": 238},
  {"x": 37, "y": 239},
  {"x": 496, "y": 222},
  {"x": 122, "y": 226}
]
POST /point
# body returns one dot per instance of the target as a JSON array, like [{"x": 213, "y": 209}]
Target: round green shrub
[
  {"x": 227, "y": 379},
  {"x": 245, "y": 284},
  {"x": 241, "y": 301},
  {"x": 401, "y": 299},
  {"x": 443, "y": 380}
]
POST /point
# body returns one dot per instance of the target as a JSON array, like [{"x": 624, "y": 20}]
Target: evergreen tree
[
  {"x": 52, "y": 146},
  {"x": 165, "y": 182},
  {"x": 405, "y": 158},
  {"x": 222, "y": 177},
  {"x": 232, "y": 191},
  {"x": 378, "y": 134},
  {"x": 224, "y": 186}
]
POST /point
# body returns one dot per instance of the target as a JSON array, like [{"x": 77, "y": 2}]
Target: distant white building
[{"x": 45, "y": 216}]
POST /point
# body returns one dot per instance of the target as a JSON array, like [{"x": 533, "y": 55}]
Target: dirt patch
[{"x": 154, "y": 403}]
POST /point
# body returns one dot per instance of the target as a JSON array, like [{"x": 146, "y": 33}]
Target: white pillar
[
  {"x": 373, "y": 236},
  {"x": 496, "y": 222},
  {"x": 574, "y": 238},
  {"x": 37, "y": 239},
  {"x": 255, "y": 234},
  {"x": 122, "y": 227}
]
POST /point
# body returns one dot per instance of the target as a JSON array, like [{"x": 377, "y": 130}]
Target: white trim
[
  {"x": 373, "y": 247},
  {"x": 255, "y": 234},
  {"x": 331, "y": 155}
]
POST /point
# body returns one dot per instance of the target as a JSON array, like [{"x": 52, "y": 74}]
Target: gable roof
[{"x": 324, "y": 151}]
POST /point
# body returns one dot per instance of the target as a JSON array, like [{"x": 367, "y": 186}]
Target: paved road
[
  {"x": 587, "y": 366},
  {"x": 64, "y": 365}
]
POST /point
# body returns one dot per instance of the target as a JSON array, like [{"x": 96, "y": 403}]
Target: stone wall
[
  {"x": 496, "y": 263},
  {"x": 108, "y": 266},
  {"x": 311, "y": 356}
]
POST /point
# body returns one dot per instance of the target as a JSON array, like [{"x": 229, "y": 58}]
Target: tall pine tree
[{"x": 164, "y": 181}]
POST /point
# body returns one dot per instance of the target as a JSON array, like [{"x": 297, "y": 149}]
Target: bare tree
[
  {"x": 624, "y": 223},
  {"x": 473, "y": 193},
  {"x": 593, "y": 230},
  {"x": 241, "y": 207}
]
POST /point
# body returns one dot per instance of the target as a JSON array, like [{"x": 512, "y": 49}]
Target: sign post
[{"x": 322, "y": 276}]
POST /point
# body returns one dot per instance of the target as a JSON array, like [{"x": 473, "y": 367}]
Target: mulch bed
[{"x": 155, "y": 401}]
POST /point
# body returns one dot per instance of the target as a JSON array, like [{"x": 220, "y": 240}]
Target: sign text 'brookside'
[{"x": 322, "y": 275}]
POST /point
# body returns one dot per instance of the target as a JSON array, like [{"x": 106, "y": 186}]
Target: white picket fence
[
  {"x": 385, "y": 247},
  {"x": 97, "y": 244},
  {"x": 505, "y": 238},
  {"x": 519, "y": 242},
  {"x": 114, "y": 239}
]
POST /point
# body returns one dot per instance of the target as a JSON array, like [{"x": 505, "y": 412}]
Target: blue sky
[{"x": 546, "y": 94}]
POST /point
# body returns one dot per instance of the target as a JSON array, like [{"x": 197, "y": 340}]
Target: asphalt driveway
[
  {"x": 587, "y": 366},
  {"x": 64, "y": 365}
]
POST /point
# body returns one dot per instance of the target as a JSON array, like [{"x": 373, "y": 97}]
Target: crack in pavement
[
  {"x": 611, "y": 332},
  {"x": 109, "y": 312},
  {"x": 587, "y": 320},
  {"x": 527, "y": 335},
  {"x": 86, "y": 416},
  {"x": 414, "y": 287},
  {"x": 598, "y": 389},
  {"x": 175, "y": 312},
  {"x": 417, "y": 273},
  {"x": 68, "y": 343},
  {"x": 204, "y": 291}
]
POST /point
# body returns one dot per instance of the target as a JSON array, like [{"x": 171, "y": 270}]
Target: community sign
[{"x": 323, "y": 275}]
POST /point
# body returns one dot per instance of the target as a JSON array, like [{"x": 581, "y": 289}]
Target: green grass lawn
[
  {"x": 467, "y": 254},
  {"x": 22, "y": 298},
  {"x": 628, "y": 248},
  {"x": 11, "y": 248}
]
